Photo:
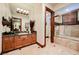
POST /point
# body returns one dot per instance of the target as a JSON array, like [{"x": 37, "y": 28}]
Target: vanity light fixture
[{"x": 22, "y": 11}]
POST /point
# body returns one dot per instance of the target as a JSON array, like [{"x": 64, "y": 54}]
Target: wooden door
[
  {"x": 52, "y": 29},
  {"x": 51, "y": 25}
]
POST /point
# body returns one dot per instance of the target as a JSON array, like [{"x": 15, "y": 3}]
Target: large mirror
[{"x": 16, "y": 24}]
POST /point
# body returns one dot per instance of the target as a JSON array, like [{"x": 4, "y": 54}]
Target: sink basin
[{"x": 22, "y": 33}]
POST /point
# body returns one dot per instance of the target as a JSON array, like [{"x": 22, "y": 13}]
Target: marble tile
[{"x": 69, "y": 43}]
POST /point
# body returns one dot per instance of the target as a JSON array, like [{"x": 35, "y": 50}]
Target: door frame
[{"x": 52, "y": 17}]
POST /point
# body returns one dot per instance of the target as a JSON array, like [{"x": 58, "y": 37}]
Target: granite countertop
[{"x": 18, "y": 34}]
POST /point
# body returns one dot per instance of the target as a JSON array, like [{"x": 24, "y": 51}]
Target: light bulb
[
  {"x": 24, "y": 11},
  {"x": 18, "y": 9},
  {"x": 21, "y": 10},
  {"x": 27, "y": 12}
]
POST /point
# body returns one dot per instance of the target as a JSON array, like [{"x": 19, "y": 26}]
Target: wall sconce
[{"x": 22, "y": 11}]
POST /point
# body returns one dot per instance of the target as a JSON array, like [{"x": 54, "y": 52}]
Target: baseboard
[
  {"x": 1, "y": 53},
  {"x": 40, "y": 44}
]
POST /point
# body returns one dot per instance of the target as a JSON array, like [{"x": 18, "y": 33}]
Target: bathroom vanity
[
  {"x": 14, "y": 41},
  {"x": 17, "y": 37}
]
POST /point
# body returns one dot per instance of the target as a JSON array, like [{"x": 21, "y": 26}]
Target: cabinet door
[
  {"x": 12, "y": 39},
  {"x": 24, "y": 40},
  {"x": 8, "y": 43},
  {"x": 18, "y": 42},
  {"x": 33, "y": 38},
  {"x": 29, "y": 39}
]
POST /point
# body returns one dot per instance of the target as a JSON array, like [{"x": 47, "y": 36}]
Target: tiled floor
[{"x": 50, "y": 49}]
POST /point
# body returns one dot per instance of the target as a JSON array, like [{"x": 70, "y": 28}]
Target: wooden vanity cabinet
[
  {"x": 8, "y": 43},
  {"x": 17, "y": 41},
  {"x": 24, "y": 40},
  {"x": 33, "y": 38},
  {"x": 28, "y": 39}
]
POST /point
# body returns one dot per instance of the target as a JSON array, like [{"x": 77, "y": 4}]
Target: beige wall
[
  {"x": 4, "y": 11},
  {"x": 39, "y": 23},
  {"x": 24, "y": 18},
  {"x": 36, "y": 13}
]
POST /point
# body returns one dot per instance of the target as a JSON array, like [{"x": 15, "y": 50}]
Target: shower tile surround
[{"x": 67, "y": 35}]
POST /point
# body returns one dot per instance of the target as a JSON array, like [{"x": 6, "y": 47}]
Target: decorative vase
[{"x": 32, "y": 26}]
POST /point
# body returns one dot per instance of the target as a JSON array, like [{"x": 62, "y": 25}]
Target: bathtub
[{"x": 70, "y": 42}]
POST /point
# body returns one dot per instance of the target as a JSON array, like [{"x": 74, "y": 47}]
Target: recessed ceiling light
[{"x": 67, "y": 9}]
